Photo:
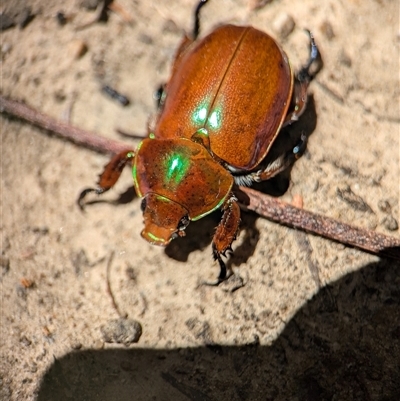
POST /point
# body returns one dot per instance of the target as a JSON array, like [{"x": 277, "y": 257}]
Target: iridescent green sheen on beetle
[{"x": 176, "y": 167}]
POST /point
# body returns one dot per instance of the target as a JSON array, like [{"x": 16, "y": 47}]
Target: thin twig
[
  {"x": 284, "y": 213},
  {"x": 264, "y": 205},
  {"x": 109, "y": 289},
  {"x": 79, "y": 136}
]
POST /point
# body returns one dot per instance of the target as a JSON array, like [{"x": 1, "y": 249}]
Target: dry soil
[{"x": 315, "y": 320}]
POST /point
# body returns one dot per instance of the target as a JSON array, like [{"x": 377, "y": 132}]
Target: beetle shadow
[
  {"x": 123, "y": 198},
  {"x": 199, "y": 233},
  {"x": 288, "y": 138},
  {"x": 198, "y": 236}
]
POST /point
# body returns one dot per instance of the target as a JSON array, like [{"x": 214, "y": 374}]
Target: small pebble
[
  {"x": 98, "y": 344},
  {"x": 61, "y": 18},
  {"x": 121, "y": 331},
  {"x": 283, "y": 25},
  {"x": 390, "y": 223},
  {"x": 77, "y": 48},
  {"x": 384, "y": 206},
  {"x": 26, "y": 282},
  {"x": 327, "y": 30},
  {"x": 46, "y": 331},
  {"x": 297, "y": 201},
  {"x": 6, "y": 47}
]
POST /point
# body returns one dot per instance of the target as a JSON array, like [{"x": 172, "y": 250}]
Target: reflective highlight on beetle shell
[
  {"x": 176, "y": 166},
  {"x": 204, "y": 116}
]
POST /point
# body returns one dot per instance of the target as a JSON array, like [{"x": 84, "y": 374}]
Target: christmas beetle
[{"x": 228, "y": 96}]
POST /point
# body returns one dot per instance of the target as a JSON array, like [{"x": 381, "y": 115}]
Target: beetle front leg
[
  {"x": 226, "y": 233},
  {"x": 110, "y": 175},
  {"x": 302, "y": 80}
]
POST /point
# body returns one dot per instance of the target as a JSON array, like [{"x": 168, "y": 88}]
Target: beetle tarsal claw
[
  {"x": 222, "y": 266},
  {"x": 299, "y": 149},
  {"x": 83, "y": 194}
]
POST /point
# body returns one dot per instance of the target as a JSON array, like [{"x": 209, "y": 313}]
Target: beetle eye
[
  {"x": 183, "y": 223},
  {"x": 143, "y": 205}
]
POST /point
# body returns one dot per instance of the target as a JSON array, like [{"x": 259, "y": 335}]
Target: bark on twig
[
  {"x": 264, "y": 205},
  {"x": 284, "y": 213}
]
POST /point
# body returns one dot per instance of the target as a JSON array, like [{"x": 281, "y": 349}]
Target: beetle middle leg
[
  {"x": 302, "y": 80},
  {"x": 226, "y": 233},
  {"x": 278, "y": 165},
  {"x": 110, "y": 175}
]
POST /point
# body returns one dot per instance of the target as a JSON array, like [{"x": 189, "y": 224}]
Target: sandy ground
[{"x": 316, "y": 324}]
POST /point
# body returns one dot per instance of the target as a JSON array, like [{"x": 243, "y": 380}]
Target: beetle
[{"x": 228, "y": 96}]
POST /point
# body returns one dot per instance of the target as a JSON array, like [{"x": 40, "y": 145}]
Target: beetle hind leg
[
  {"x": 302, "y": 80},
  {"x": 278, "y": 165},
  {"x": 225, "y": 234},
  {"x": 110, "y": 175}
]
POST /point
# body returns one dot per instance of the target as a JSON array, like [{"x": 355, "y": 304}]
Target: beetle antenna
[{"x": 196, "y": 27}]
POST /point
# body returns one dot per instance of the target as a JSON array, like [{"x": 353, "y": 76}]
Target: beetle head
[{"x": 164, "y": 219}]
